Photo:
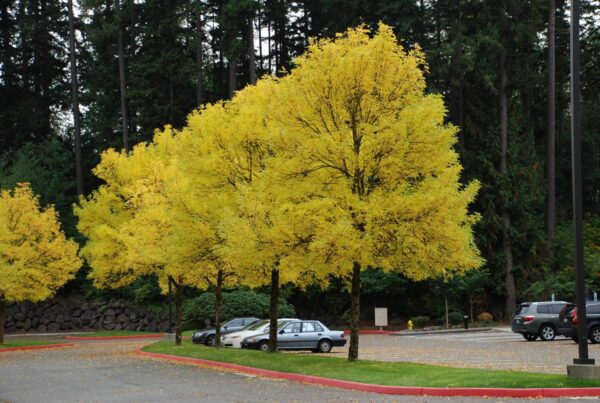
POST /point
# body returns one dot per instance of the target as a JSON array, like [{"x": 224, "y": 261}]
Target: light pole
[{"x": 576, "y": 178}]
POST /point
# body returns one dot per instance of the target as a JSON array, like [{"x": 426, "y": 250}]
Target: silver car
[{"x": 300, "y": 335}]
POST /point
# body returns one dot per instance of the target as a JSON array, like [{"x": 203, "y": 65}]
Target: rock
[
  {"x": 27, "y": 324},
  {"x": 108, "y": 325},
  {"x": 76, "y": 313},
  {"x": 86, "y": 315},
  {"x": 35, "y": 323},
  {"x": 42, "y": 328},
  {"x": 121, "y": 318},
  {"x": 110, "y": 312},
  {"x": 53, "y": 327},
  {"x": 60, "y": 318}
]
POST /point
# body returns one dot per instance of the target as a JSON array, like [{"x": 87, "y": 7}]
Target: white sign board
[{"x": 381, "y": 317}]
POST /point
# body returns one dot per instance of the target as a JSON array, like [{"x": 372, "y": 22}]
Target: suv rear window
[
  {"x": 593, "y": 308},
  {"x": 522, "y": 309},
  {"x": 543, "y": 309}
]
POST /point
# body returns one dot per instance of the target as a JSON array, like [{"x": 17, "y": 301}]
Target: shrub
[
  {"x": 484, "y": 317},
  {"x": 420, "y": 321},
  {"x": 455, "y": 318},
  {"x": 235, "y": 304}
]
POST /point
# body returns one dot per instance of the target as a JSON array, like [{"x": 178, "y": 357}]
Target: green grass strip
[
  {"x": 26, "y": 343},
  {"x": 376, "y": 372}
]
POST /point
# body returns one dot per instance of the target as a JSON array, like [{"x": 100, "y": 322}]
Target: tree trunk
[
  {"x": 178, "y": 312},
  {"x": 122, "y": 82},
  {"x": 260, "y": 41},
  {"x": 218, "y": 306},
  {"x": 355, "y": 301},
  {"x": 251, "y": 54},
  {"x": 2, "y": 319},
  {"x": 232, "y": 77},
  {"x": 273, "y": 314},
  {"x": 551, "y": 131},
  {"x": 75, "y": 100},
  {"x": 509, "y": 279},
  {"x": 199, "y": 84}
]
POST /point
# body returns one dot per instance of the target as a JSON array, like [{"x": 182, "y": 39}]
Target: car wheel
[
  {"x": 530, "y": 336},
  {"x": 595, "y": 334},
  {"x": 210, "y": 341},
  {"x": 263, "y": 346},
  {"x": 547, "y": 333},
  {"x": 325, "y": 346}
]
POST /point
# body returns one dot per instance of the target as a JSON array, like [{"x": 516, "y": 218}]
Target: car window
[
  {"x": 248, "y": 321},
  {"x": 308, "y": 327},
  {"x": 294, "y": 327},
  {"x": 258, "y": 325},
  {"x": 543, "y": 309},
  {"x": 593, "y": 309},
  {"x": 235, "y": 323},
  {"x": 521, "y": 309},
  {"x": 318, "y": 327},
  {"x": 556, "y": 308}
]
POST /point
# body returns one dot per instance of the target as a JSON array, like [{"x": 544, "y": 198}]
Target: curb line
[
  {"x": 42, "y": 347},
  {"x": 134, "y": 336},
  {"x": 347, "y": 331},
  {"x": 383, "y": 389}
]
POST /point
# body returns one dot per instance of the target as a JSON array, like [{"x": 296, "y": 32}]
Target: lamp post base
[{"x": 583, "y": 371}]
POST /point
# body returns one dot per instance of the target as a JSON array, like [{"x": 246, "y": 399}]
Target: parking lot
[{"x": 495, "y": 349}]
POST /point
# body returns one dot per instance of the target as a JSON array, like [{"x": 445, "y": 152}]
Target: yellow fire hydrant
[{"x": 410, "y": 325}]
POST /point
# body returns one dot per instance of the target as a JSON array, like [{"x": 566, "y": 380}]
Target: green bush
[
  {"x": 238, "y": 303},
  {"x": 420, "y": 322},
  {"x": 455, "y": 318},
  {"x": 485, "y": 317}
]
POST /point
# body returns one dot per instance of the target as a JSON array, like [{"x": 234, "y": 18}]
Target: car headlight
[
  {"x": 198, "y": 334},
  {"x": 250, "y": 340}
]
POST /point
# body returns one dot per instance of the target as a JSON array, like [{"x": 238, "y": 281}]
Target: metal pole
[
  {"x": 577, "y": 197},
  {"x": 170, "y": 330}
]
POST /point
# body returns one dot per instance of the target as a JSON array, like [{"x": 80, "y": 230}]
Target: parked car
[
  {"x": 300, "y": 335},
  {"x": 208, "y": 336},
  {"x": 538, "y": 319},
  {"x": 235, "y": 339},
  {"x": 570, "y": 320}
]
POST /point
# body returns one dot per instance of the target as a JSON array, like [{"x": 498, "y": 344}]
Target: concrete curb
[
  {"x": 443, "y": 331},
  {"x": 41, "y": 347},
  {"x": 347, "y": 331},
  {"x": 134, "y": 336},
  {"x": 383, "y": 389}
]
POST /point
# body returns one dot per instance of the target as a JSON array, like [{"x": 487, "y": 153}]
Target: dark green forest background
[{"x": 142, "y": 64}]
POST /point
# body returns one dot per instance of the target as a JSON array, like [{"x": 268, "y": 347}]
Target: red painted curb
[
  {"x": 42, "y": 347},
  {"x": 141, "y": 336},
  {"x": 346, "y": 331},
  {"x": 384, "y": 389}
]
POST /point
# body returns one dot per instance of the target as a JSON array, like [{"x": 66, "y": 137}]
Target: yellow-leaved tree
[
  {"x": 35, "y": 257},
  {"x": 353, "y": 119}
]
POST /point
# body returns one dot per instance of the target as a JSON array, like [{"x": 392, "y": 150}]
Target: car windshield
[
  {"x": 282, "y": 324},
  {"x": 257, "y": 325}
]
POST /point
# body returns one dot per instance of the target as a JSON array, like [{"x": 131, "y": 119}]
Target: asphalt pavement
[{"x": 110, "y": 371}]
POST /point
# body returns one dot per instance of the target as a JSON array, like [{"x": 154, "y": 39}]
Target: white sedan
[{"x": 262, "y": 326}]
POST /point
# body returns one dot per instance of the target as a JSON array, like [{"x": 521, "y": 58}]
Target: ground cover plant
[{"x": 377, "y": 372}]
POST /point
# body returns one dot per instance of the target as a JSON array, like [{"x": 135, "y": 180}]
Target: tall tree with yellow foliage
[
  {"x": 354, "y": 120},
  {"x": 35, "y": 257}
]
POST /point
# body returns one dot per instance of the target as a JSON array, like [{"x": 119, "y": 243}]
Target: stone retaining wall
[{"x": 59, "y": 314}]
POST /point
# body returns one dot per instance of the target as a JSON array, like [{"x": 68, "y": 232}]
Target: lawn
[
  {"x": 26, "y": 343},
  {"x": 377, "y": 372}
]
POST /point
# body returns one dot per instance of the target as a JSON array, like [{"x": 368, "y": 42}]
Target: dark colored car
[
  {"x": 300, "y": 335},
  {"x": 207, "y": 336},
  {"x": 570, "y": 320},
  {"x": 538, "y": 319}
]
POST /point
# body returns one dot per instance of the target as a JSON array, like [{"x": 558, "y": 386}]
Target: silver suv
[{"x": 533, "y": 319}]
